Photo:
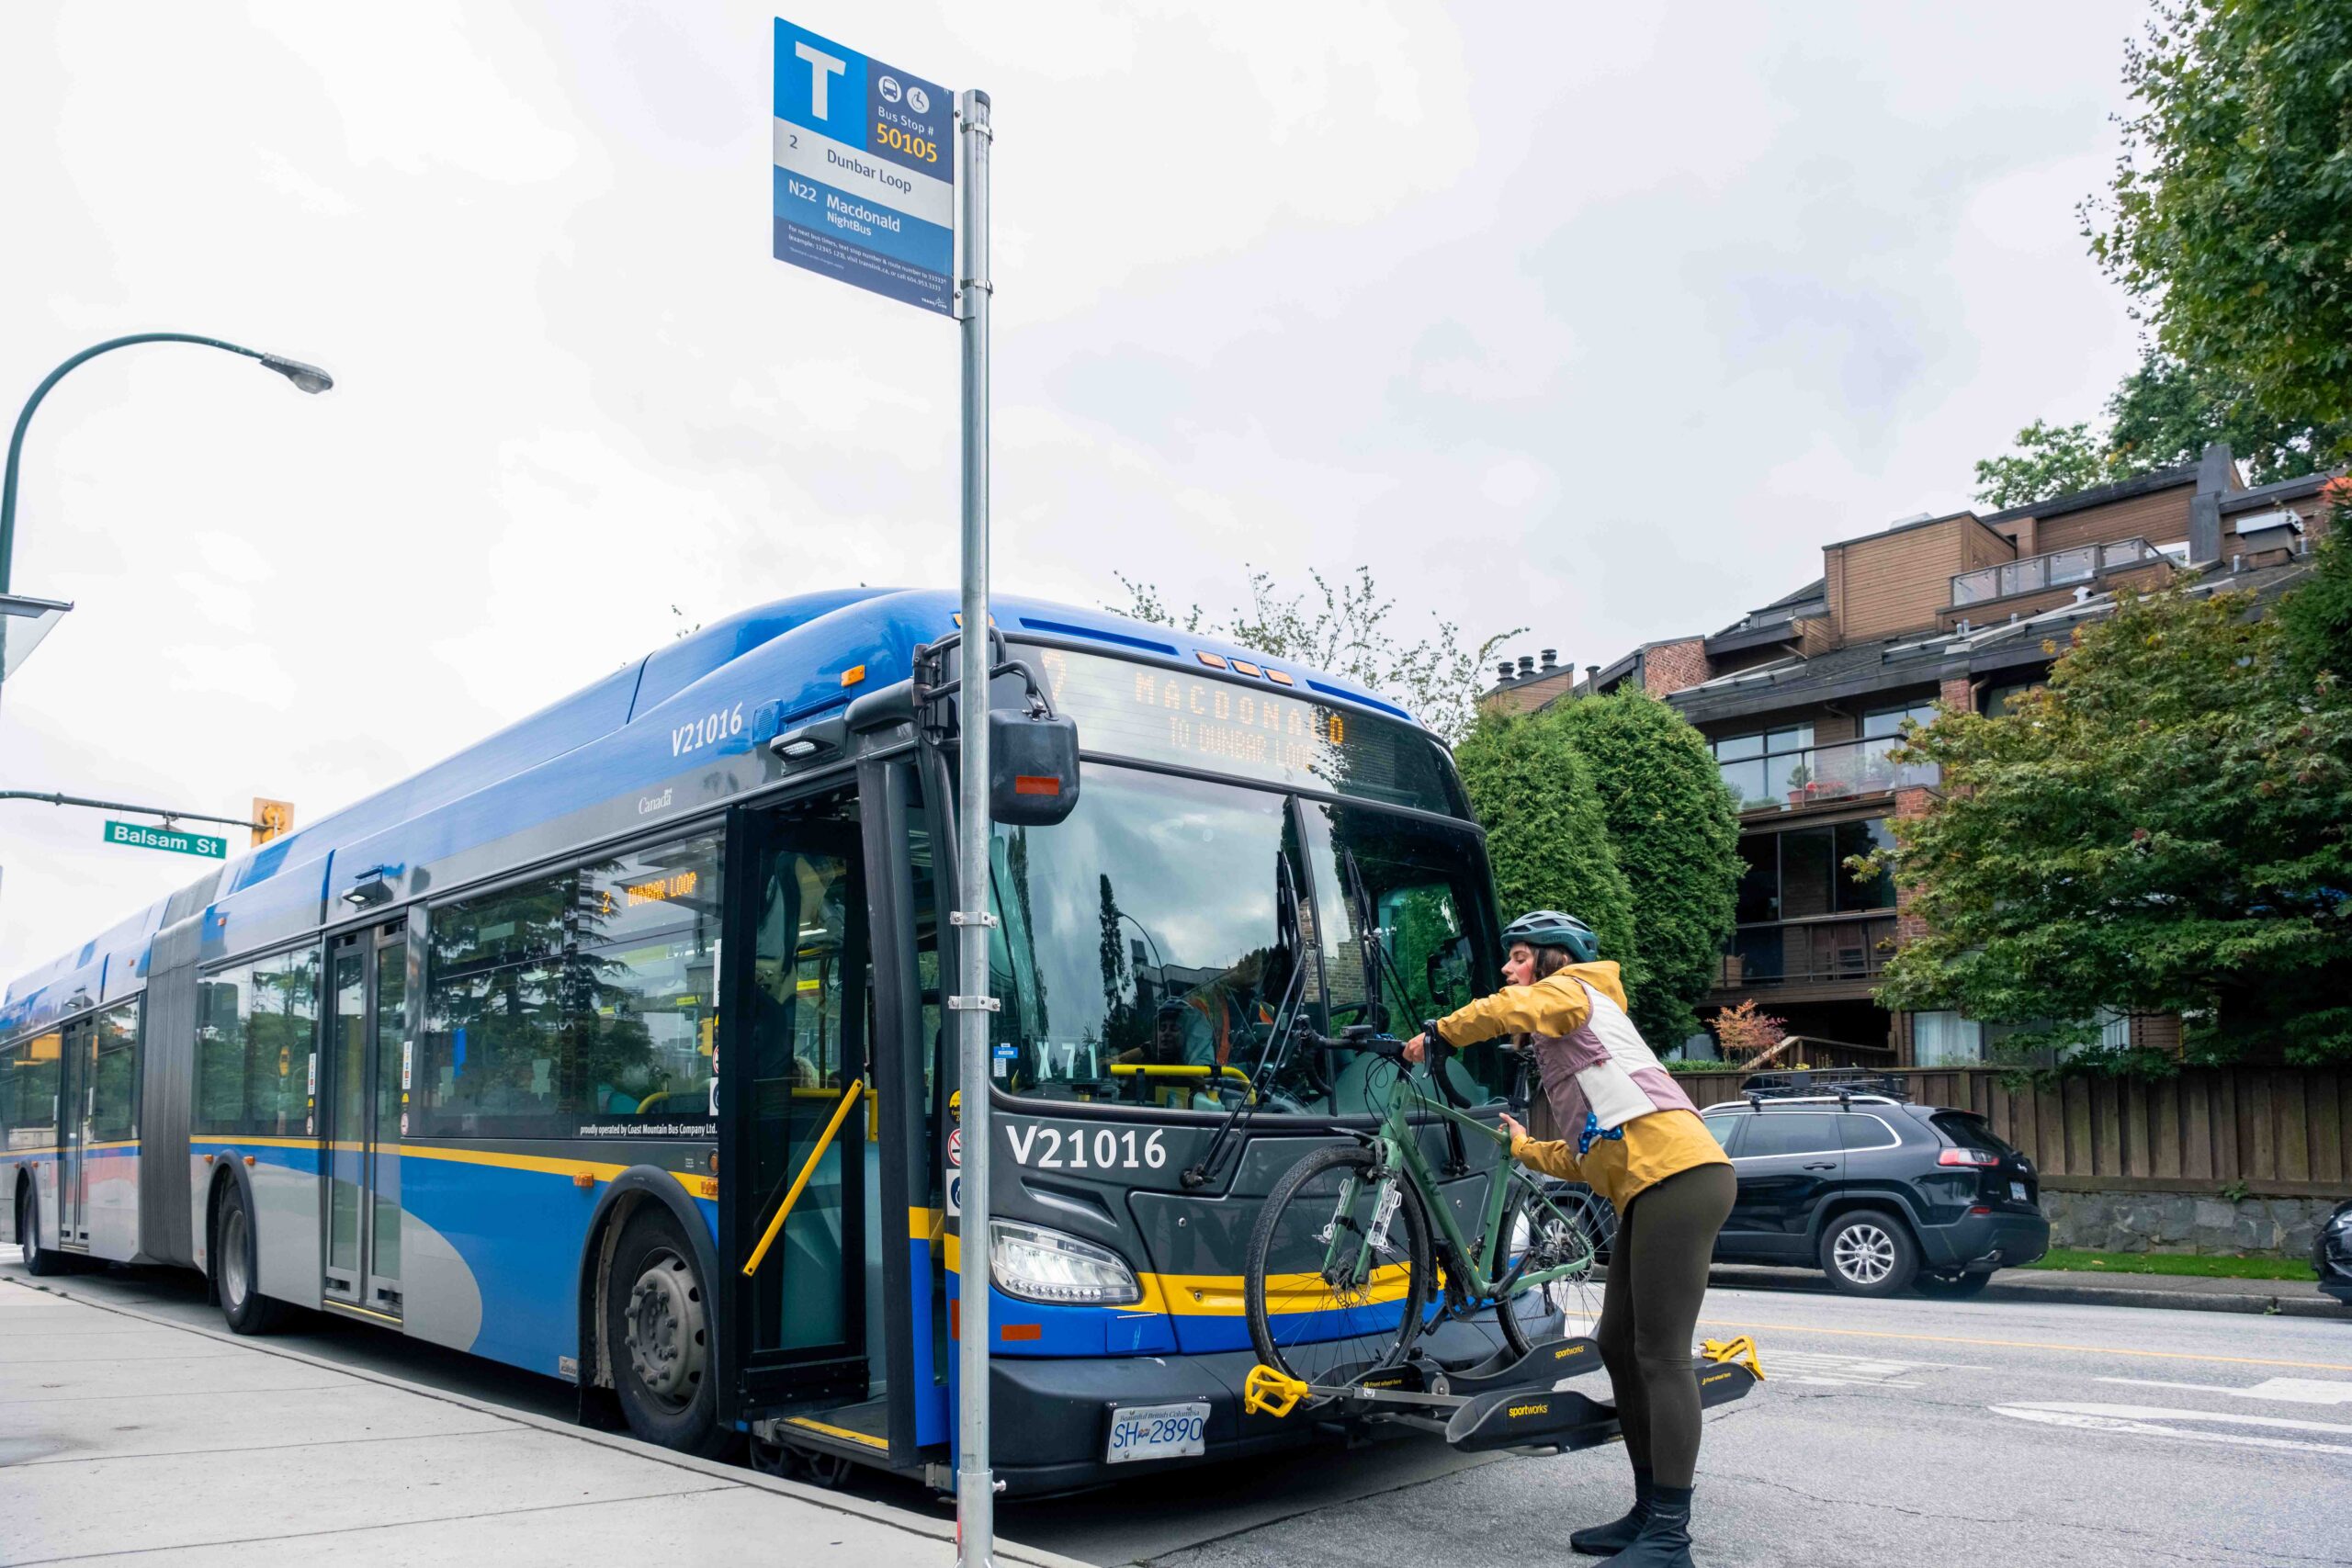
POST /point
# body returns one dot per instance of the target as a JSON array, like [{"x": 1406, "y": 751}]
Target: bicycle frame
[{"x": 1402, "y": 1153}]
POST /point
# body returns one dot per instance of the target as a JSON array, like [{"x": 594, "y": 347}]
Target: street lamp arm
[
  {"x": 123, "y": 806},
  {"x": 309, "y": 377}
]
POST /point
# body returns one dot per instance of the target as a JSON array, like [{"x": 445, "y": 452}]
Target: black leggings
[{"x": 1649, "y": 1310}]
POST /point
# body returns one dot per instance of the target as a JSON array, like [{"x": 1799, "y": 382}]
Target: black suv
[{"x": 1841, "y": 1172}]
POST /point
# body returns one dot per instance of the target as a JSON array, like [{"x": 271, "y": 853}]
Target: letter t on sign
[{"x": 822, "y": 69}]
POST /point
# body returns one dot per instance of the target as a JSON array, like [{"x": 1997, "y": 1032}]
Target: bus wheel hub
[{"x": 665, "y": 1328}]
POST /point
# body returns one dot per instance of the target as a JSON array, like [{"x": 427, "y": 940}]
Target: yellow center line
[{"x": 2031, "y": 1345}]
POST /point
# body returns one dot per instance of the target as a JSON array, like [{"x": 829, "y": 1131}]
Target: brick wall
[
  {"x": 1909, "y": 927},
  {"x": 1958, "y": 694},
  {"x": 1668, "y": 666}
]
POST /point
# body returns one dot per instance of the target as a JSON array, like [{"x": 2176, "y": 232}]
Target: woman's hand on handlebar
[
  {"x": 1510, "y": 1125},
  {"x": 1417, "y": 1048}
]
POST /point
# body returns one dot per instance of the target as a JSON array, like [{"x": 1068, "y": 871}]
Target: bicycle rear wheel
[
  {"x": 1339, "y": 1270},
  {"x": 1550, "y": 1228}
]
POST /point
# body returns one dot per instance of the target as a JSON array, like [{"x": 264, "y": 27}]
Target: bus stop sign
[{"x": 865, "y": 171}]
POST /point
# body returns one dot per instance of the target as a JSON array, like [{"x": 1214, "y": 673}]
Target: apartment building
[{"x": 1803, "y": 700}]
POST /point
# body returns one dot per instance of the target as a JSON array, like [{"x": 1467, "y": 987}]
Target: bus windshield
[{"x": 1139, "y": 954}]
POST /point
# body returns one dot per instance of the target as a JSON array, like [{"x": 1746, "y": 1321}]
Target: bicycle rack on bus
[{"x": 1522, "y": 1404}]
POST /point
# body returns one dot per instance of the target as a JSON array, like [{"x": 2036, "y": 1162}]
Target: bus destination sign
[
  {"x": 139, "y": 836},
  {"x": 1225, "y": 725}
]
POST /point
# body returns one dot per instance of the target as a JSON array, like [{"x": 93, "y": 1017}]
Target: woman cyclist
[{"x": 1634, "y": 1138}]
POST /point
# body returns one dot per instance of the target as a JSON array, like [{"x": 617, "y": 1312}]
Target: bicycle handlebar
[{"x": 1362, "y": 1037}]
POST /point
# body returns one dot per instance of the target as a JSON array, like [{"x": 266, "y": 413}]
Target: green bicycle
[{"x": 1360, "y": 1250}]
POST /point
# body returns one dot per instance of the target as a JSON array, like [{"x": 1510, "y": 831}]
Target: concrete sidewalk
[
  {"x": 124, "y": 1433},
  {"x": 2182, "y": 1292}
]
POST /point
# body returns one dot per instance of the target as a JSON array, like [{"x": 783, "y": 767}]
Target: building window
[
  {"x": 1801, "y": 874},
  {"x": 1889, "y": 722},
  {"x": 1946, "y": 1040},
  {"x": 1764, "y": 769},
  {"x": 2001, "y": 700}
]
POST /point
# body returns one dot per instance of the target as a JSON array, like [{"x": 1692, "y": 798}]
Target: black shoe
[
  {"x": 1664, "y": 1541},
  {"x": 1609, "y": 1540}
]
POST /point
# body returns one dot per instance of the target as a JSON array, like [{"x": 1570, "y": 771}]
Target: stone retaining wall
[{"x": 2184, "y": 1223}]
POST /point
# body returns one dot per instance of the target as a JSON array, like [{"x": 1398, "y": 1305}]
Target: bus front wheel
[
  {"x": 659, "y": 1336},
  {"x": 236, "y": 1267}
]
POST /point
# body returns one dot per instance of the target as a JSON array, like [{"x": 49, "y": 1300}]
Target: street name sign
[
  {"x": 865, "y": 171},
  {"x": 139, "y": 836}
]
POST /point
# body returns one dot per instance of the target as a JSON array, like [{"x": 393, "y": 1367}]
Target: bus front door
[
  {"x": 360, "y": 1098},
  {"x": 796, "y": 1050}
]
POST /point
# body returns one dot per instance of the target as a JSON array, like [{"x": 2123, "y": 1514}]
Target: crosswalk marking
[
  {"x": 2291, "y": 1391},
  {"x": 2156, "y": 1421}
]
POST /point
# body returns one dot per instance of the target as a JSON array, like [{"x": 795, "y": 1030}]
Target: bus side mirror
[{"x": 1033, "y": 768}]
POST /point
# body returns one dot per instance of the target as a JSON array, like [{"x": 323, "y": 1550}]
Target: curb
[
  {"x": 2016, "y": 1290},
  {"x": 941, "y": 1530},
  {"x": 2313, "y": 1305}
]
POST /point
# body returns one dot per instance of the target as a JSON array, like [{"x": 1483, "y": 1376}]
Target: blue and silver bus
[{"x": 614, "y": 1047}]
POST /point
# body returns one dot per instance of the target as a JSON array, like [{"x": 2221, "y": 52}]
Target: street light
[{"x": 309, "y": 377}]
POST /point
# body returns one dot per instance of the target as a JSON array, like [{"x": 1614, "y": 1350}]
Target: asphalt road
[{"x": 1900, "y": 1432}]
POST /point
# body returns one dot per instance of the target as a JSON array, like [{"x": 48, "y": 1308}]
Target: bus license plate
[{"x": 1156, "y": 1431}]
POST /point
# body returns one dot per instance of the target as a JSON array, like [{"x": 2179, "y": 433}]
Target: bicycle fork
[{"x": 1387, "y": 1195}]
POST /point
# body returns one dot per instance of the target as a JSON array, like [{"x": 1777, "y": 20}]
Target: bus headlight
[{"x": 1039, "y": 1264}]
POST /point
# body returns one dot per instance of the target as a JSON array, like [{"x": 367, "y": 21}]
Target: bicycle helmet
[{"x": 1549, "y": 927}]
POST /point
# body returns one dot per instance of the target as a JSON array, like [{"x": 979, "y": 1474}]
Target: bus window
[
  {"x": 28, "y": 1093},
  {"x": 575, "y": 1004},
  {"x": 115, "y": 1056},
  {"x": 1435, "y": 948}
]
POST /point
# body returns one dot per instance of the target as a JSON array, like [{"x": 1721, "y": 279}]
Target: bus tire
[
  {"x": 38, "y": 1259},
  {"x": 236, "y": 1267},
  {"x": 660, "y": 1338}
]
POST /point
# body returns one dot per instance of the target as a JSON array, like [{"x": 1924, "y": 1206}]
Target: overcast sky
[{"x": 1595, "y": 319}]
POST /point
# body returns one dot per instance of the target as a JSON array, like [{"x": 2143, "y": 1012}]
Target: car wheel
[
  {"x": 38, "y": 1259},
  {"x": 660, "y": 1340},
  {"x": 236, "y": 1269},
  {"x": 1952, "y": 1287},
  {"x": 1869, "y": 1253}
]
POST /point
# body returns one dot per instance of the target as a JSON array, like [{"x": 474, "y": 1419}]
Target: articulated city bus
[{"x": 614, "y": 1047}]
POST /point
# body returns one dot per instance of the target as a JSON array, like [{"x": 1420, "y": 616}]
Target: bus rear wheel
[
  {"x": 38, "y": 1259},
  {"x": 659, "y": 1337}
]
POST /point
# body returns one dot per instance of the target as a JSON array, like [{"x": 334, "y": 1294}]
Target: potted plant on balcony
[{"x": 1800, "y": 782}]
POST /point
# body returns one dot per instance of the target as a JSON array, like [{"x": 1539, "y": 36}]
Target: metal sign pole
[{"x": 975, "y": 1483}]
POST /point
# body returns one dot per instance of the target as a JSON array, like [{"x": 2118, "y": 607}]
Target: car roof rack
[{"x": 1843, "y": 1085}]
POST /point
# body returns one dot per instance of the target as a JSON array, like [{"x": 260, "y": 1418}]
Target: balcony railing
[
  {"x": 1824, "y": 773},
  {"x": 1808, "y": 953},
  {"x": 2056, "y": 569}
]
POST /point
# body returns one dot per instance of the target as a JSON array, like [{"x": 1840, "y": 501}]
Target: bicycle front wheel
[{"x": 1339, "y": 1271}]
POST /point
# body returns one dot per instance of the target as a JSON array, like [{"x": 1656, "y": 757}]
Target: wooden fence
[{"x": 2279, "y": 1133}]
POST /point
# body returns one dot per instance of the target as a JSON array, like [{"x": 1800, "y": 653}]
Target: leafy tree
[
  {"x": 1676, "y": 834},
  {"x": 2160, "y": 828},
  {"x": 1348, "y": 630},
  {"x": 2162, "y": 415},
  {"x": 2230, "y": 214},
  {"x": 1746, "y": 1031},
  {"x": 2317, "y": 617},
  {"x": 2050, "y": 459},
  {"x": 1547, "y": 829},
  {"x": 2166, "y": 411}
]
